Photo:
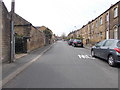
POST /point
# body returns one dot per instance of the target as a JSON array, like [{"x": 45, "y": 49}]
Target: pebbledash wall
[
  {"x": 5, "y": 29},
  {"x": 105, "y": 26},
  {"x": 34, "y": 37}
]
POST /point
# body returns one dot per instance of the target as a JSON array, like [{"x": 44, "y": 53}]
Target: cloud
[{"x": 60, "y": 15}]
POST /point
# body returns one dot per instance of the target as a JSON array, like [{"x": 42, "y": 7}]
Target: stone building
[
  {"x": 105, "y": 26},
  {"x": 32, "y": 37},
  {"x": 4, "y": 33},
  {"x": 48, "y": 34}
]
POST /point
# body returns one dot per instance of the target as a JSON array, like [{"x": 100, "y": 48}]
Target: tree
[{"x": 63, "y": 36}]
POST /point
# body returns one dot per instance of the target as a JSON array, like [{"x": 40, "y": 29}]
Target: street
[{"x": 64, "y": 66}]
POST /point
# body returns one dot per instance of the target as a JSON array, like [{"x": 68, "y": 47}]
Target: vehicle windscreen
[
  {"x": 72, "y": 40},
  {"x": 118, "y": 44}
]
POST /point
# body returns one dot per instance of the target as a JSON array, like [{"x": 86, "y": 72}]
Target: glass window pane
[
  {"x": 115, "y": 12},
  {"x": 115, "y": 33}
]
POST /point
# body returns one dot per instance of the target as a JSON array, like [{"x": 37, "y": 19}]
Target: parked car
[
  {"x": 77, "y": 43},
  {"x": 70, "y": 41},
  {"x": 108, "y": 50}
]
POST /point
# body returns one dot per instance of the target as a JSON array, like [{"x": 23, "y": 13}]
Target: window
[
  {"x": 101, "y": 21},
  {"x": 118, "y": 44},
  {"x": 115, "y": 12},
  {"x": 92, "y": 26},
  {"x": 109, "y": 43},
  {"x": 115, "y": 33},
  {"x": 107, "y": 17},
  {"x": 100, "y": 43},
  {"x": 107, "y": 34},
  {"x": 96, "y": 24},
  {"x": 100, "y": 34}
]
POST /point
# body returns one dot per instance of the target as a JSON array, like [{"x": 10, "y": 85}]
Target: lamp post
[{"x": 12, "y": 38}]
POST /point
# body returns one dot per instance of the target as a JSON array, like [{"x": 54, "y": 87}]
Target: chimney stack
[{"x": 13, "y": 6}]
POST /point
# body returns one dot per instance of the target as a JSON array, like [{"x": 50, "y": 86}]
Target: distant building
[{"x": 48, "y": 34}]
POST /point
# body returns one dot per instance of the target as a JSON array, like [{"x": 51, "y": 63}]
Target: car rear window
[
  {"x": 78, "y": 40},
  {"x": 118, "y": 44}
]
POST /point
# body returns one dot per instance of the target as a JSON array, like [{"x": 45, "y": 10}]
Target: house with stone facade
[
  {"x": 29, "y": 37},
  {"x": 105, "y": 26},
  {"x": 4, "y": 33},
  {"x": 49, "y": 36}
]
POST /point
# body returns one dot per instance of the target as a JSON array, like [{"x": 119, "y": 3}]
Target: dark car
[
  {"x": 108, "y": 50},
  {"x": 77, "y": 43},
  {"x": 70, "y": 41}
]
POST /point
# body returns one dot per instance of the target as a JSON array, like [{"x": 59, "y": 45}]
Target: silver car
[{"x": 108, "y": 50}]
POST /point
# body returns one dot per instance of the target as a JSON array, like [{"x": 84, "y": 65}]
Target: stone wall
[
  {"x": 5, "y": 33},
  {"x": 34, "y": 37},
  {"x": 0, "y": 31},
  {"x": 119, "y": 20}
]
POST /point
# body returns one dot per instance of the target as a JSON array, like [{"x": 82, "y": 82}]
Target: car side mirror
[{"x": 96, "y": 45}]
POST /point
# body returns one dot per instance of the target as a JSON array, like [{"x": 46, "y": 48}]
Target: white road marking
[
  {"x": 79, "y": 56},
  {"x": 85, "y": 57}
]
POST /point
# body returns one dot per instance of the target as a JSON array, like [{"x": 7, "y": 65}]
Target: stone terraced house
[{"x": 105, "y": 26}]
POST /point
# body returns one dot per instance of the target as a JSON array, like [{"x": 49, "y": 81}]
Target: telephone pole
[{"x": 12, "y": 38}]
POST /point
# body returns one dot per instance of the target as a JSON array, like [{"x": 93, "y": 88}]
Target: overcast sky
[{"x": 60, "y": 15}]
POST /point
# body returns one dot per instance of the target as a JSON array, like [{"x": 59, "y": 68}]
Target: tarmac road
[{"x": 64, "y": 66}]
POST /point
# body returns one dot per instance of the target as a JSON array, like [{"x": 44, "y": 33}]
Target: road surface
[{"x": 64, "y": 66}]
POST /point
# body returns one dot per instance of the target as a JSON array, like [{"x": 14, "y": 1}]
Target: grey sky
[{"x": 60, "y": 15}]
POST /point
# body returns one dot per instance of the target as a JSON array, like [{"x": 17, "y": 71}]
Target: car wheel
[
  {"x": 73, "y": 45},
  {"x": 92, "y": 53},
  {"x": 111, "y": 61},
  {"x": 82, "y": 45}
]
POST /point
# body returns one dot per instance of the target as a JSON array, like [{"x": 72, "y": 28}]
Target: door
[
  {"x": 105, "y": 49},
  {"x": 98, "y": 48}
]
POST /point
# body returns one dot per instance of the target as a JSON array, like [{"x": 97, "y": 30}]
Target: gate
[{"x": 20, "y": 45}]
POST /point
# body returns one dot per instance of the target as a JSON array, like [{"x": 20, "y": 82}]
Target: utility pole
[{"x": 12, "y": 51}]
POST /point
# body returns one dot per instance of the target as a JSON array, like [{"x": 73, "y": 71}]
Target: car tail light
[{"x": 117, "y": 49}]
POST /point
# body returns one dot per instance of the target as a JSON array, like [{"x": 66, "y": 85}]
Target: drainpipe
[
  {"x": 109, "y": 26},
  {"x": 12, "y": 51}
]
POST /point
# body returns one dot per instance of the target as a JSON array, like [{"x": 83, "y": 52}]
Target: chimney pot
[{"x": 13, "y": 0}]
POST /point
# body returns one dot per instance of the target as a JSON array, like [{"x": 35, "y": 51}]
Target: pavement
[
  {"x": 88, "y": 47},
  {"x": 11, "y": 70},
  {"x": 17, "y": 56}
]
